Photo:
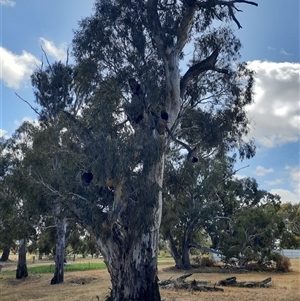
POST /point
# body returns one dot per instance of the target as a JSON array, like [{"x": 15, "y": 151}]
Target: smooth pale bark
[
  {"x": 60, "y": 252},
  {"x": 22, "y": 266}
]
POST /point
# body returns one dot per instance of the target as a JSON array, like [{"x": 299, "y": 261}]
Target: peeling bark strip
[
  {"x": 194, "y": 285},
  {"x": 232, "y": 282},
  {"x": 129, "y": 250},
  {"x": 141, "y": 257}
]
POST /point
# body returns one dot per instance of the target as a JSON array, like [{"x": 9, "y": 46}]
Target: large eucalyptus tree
[{"x": 140, "y": 99}]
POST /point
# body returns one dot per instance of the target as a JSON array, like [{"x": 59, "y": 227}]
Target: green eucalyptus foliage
[
  {"x": 206, "y": 203},
  {"x": 290, "y": 216}
]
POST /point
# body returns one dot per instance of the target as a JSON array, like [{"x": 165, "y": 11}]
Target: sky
[{"x": 270, "y": 37}]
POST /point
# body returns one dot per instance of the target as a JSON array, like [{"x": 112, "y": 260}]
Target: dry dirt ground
[{"x": 91, "y": 285}]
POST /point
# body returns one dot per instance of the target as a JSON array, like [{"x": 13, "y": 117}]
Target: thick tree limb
[
  {"x": 197, "y": 69},
  {"x": 155, "y": 26},
  {"x": 185, "y": 24},
  {"x": 205, "y": 249},
  {"x": 135, "y": 110}
]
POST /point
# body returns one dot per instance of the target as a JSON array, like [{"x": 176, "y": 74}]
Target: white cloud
[
  {"x": 26, "y": 118},
  {"x": 282, "y": 51},
  {"x": 274, "y": 182},
  {"x": 7, "y": 3},
  {"x": 286, "y": 196},
  {"x": 2, "y": 133},
  {"x": 261, "y": 171},
  {"x": 294, "y": 173},
  {"x": 275, "y": 114},
  {"x": 240, "y": 177},
  {"x": 59, "y": 53},
  {"x": 16, "y": 69}
]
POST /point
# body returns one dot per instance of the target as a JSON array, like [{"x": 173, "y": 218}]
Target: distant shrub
[
  {"x": 196, "y": 260},
  {"x": 283, "y": 264},
  {"x": 207, "y": 262}
]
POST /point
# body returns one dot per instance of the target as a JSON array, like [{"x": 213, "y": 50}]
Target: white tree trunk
[{"x": 60, "y": 250}]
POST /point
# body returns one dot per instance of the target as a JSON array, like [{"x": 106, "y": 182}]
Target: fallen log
[
  {"x": 231, "y": 281},
  {"x": 227, "y": 281},
  {"x": 194, "y": 285}
]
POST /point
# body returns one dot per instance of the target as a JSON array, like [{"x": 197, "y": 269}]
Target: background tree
[
  {"x": 191, "y": 202},
  {"x": 50, "y": 171},
  {"x": 18, "y": 194},
  {"x": 247, "y": 226},
  {"x": 46, "y": 238},
  {"x": 206, "y": 198},
  {"x": 290, "y": 216},
  {"x": 8, "y": 207}
]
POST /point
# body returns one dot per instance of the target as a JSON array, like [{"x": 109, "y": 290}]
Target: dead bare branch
[
  {"x": 49, "y": 65},
  {"x": 35, "y": 110}
]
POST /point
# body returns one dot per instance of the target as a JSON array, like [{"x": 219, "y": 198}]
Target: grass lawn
[
  {"x": 72, "y": 267},
  {"x": 49, "y": 268}
]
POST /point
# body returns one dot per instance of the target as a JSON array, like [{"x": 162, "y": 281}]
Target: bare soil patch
[{"x": 87, "y": 286}]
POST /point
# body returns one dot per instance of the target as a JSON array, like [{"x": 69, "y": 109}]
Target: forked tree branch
[
  {"x": 198, "y": 68},
  {"x": 191, "y": 152},
  {"x": 229, "y": 4},
  {"x": 49, "y": 65}
]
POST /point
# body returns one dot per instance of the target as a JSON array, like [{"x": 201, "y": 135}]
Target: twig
[
  {"x": 35, "y": 110},
  {"x": 187, "y": 147},
  {"x": 47, "y": 59}
]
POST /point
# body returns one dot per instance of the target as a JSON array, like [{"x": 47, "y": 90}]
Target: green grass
[
  {"x": 165, "y": 260},
  {"x": 42, "y": 269}
]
